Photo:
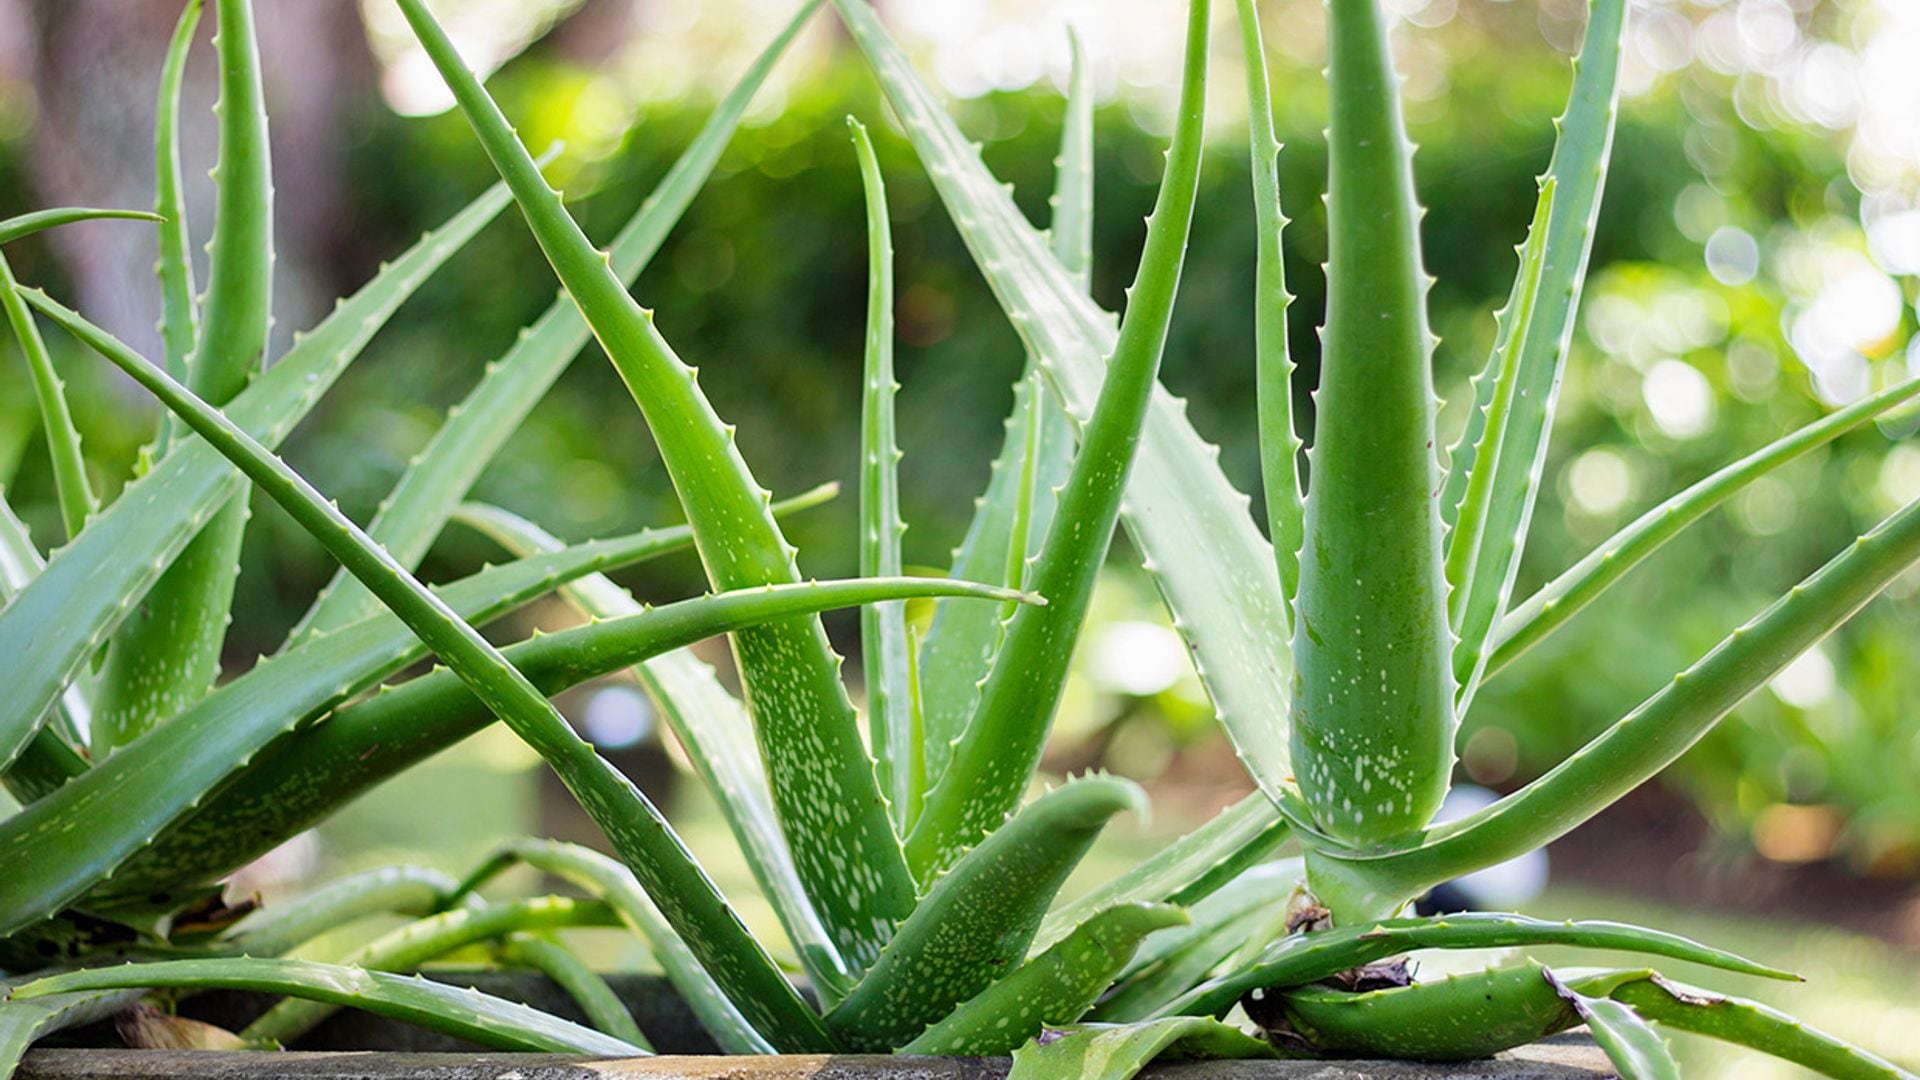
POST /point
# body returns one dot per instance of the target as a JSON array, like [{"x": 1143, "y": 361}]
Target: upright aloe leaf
[
  {"x": 892, "y": 712},
  {"x": 823, "y": 783},
  {"x": 1035, "y": 456},
  {"x": 1273, "y": 363},
  {"x": 179, "y": 315},
  {"x": 635, "y": 827},
  {"x": 65, "y": 613},
  {"x": 443, "y": 473},
  {"x": 975, "y": 924},
  {"x": 1647, "y": 739},
  {"x": 1373, "y": 716},
  {"x": 71, "y": 486},
  {"x": 1214, "y": 568},
  {"x": 713, "y": 729},
  {"x": 167, "y": 653},
  {"x": 1001, "y": 745},
  {"x": 1572, "y": 186}
]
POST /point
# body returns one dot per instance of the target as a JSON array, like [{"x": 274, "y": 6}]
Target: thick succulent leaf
[
  {"x": 615, "y": 885},
  {"x": 71, "y": 486},
  {"x": 1647, "y": 739},
  {"x": 1460, "y": 1017},
  {"x": 1307, "y": 957},
  {"x": 713, "y": 729},
  {"x": 308, "y": 774},
  {"x": 1239, "y": 920},
  {"x": 408, "y": 948},
  {"x": 1214, "y": 568},
  {"x": 1110, "y": 1052},
  {"x": 597, "y": 1000},
  {"x": 24, "y": 1022},
  {"x": 1373, "y": 716},
  {"x": 1054, "y": 988},
  {"x": 24, "y": 225},
  {"x": 822, "y": 777},
  {"x": 67, "y": 612},
  {"x": 892, "y": 720},
  {"x": 1000, "y": 748},
  {"x": 120, "y": 804},
  {"x": 1186, "y": 870},
  {"x": 48, "y": 760},
  {"x": 1273, "y": 363},
  {"x": 1623, "y": 1034},
  {"x": 475, "y": 430},
  {"x": 1560, "y": 599},
  {"x": 1032, "y": 463},
  {"x": 1574, "y": 181},
  {"x": 179, "y": 314},
  {"x": 1744, "y": 1023},
  {"x": 461, "y": 1012},
  {"x": 285, "y": 925},
  {"x": 630, "y": 821},
  {"x": 166, "y": 655},
  {"x": 978, "y": 920}
]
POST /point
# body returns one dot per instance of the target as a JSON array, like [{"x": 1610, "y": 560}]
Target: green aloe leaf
[
  {"x": 371, "y": 740},
  {"x": 1273, "y": 363},
  {"x": 1373, "y": 716},
  {"x": 285, "y": 925},
  {"x": 978, "y": 920},
  {"x": 445, "y": 470},
  {"x": 1741, "y": 1022},
  {"x": 166, "y": 655},
  {"x": 1538, "y": 345},
  {"x": 1012, "y": 516},
  {"x": 1647, "y": 739},
  {"x": 602, "y": 1006},
  {"x": 616, "y": 885},
  {"x": 465, "y": 1013},
  {"x": 1110, "y": 1052},
  {"x": 1308, "y": 957},
  {"x": 635, "y": 827},
  {"x": 1565, "y": 596},
  {"x": 25, "y": 225},
  {"x": 1215, "y": 570},
  {"x": 179, "y": 314},
  {"x": 892, "y": 709},
  {"x": 1461, "y": 1017},
  {"x": 1624, "y": 1035},
  {"x": 408, "y": 948},
  {"x": 822, "y": 777},
  {"x": 22, "y": 1023},
  {"x": 59, "y": 619},
  {"x": 1055, "y": 987},
  {"x": 1000, "y": 748},
  {"x": 712, "y": 727},
  {"x": 49, "y": 759}
]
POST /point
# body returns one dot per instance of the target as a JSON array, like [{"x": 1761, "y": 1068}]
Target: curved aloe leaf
[
  {"x": 1308, "y": 957},
  {"x": 167, "y": 653},
  {"x": 411, "y": 947},
  {"x": 1000, "y": 747},
  {"x": 435, "y": 482},
  {"x": 635, "y": 827},
  {"x": 48, "y": 760},
  {"x": 1053, "y": 988},
  {"x": 1273, "y": 363},
  {"x": 1741, "y": 1022},
  {"x": 179, "y": 315},
  {"x": 1562, "y": 598},
  {"x": 892, "y": 711},
  {"x": 59, "y": 619},
  {"x": 616, "y": 885},
  {"x": 24, "y": 225},
  {"x": 280, "y": 927},
  {"x": 1373, "y": 706},
  {"x": 1647, "y": 739},
  {"x": 371, "y": 740},
  {"x": 713, "y": 729},
  {"x": 1456, "y": 1018},
  {"x": 823, "y": 780},
  {"x": 1109, "y": 1052},
  {"x": 602, "y": 1007},
  {"x": 979, "y": 919},
  {"x": 22, "y": 1023},
  {"x": 1214, "y": 568},
  {"x": 1624, "y": 1035},
  {"x": 71, "y": 486},
  {"x": 1574, "y": 181},
  {"x": 465, "y": 1013},
  {"x": 1012, "y": 516}
]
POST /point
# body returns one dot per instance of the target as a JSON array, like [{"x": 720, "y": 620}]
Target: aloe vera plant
[{"x": 916, "y": 885}]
